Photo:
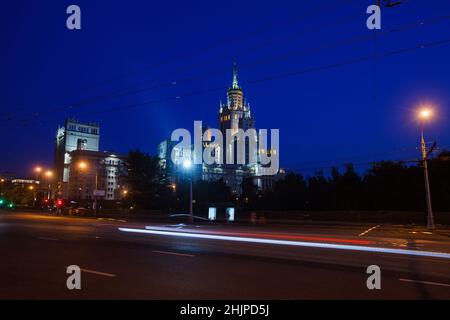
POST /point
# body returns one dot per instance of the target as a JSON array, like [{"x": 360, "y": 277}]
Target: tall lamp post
[
  {"x": 48, "y": 175},
  {"x": 37, "y": 171},
  {"x": 38, "y": 174},
  {"x": 187, "y": 164},
  {"x": 424, "y": 115},
  {"x": 83, "y": 165},
  {"x": 34, "y": 195}
]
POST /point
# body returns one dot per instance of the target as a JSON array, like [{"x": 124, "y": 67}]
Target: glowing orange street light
[
  {"x": 425, "y": 114},
  {"x": 49, "y": 175},
  {"x": 82, "y": 165},
  {"x": 38, "y": 169}
]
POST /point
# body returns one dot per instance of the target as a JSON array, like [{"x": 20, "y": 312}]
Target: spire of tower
[{"x": 235, "y": 80}]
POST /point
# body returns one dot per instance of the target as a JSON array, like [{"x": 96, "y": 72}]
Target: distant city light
[
  {"x": 38, "y": 169},
  {"x": 187, "y": 164}
]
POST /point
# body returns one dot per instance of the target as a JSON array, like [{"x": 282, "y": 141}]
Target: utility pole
[
  {"x": 96, "y": 190},
  {"x": 430, "y": 218},
  {"x": 191, "y": 211}
]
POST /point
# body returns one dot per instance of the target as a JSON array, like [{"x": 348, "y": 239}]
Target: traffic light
[
  {"x": 59, "y": 203},
  {"x": 1, "y": 202}
]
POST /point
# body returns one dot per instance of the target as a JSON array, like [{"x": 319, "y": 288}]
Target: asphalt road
[{"x": 35, "y": 250}]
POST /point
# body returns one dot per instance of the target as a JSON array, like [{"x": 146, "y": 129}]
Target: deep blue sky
[{"x": 326, "y": 117}]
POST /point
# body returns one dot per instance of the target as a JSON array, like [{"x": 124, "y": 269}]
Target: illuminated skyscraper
[{"x": 234, "y": 115}]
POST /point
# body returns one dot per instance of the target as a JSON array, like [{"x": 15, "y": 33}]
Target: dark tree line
[
  {"x": 149, "y": 190},
  {"x": 144, "y": 176},
  {"x": 386, "y": 186}
]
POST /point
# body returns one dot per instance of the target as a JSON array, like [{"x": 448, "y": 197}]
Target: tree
[
  {"x": 249, "y": 195},
  {"x": 319, "y": 192},
  {"x": 290, "y": 193},
  {"x": 146, "y": 189},
  {"x": 204, "y": 192},
  {"x": 19, "y": 195},
  {"x": 346, "y": 188},
  {"x": 393, "y": 186}
]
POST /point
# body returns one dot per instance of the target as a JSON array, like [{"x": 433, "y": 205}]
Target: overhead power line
[
  {"x": 306, "y": 51},
  {"x": 419, "y": 46},
  {"x": 235, "y": 38},
  {"x": 279, "y": 76},
  {"x": 170, "y": 83}
]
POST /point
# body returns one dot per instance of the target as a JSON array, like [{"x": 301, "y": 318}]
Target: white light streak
[{"x": 293, "y": 243}]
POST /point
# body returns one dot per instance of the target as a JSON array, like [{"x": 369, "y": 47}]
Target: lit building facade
[
  {"x": 74, "y": 135},
  {"x": 96, "y": 174},
  {"x": 103, "y": 173}
]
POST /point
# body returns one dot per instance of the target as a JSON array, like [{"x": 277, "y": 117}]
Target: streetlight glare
[
  {"x": 38, "y": 169},
  {"x": 82, "y": 165},
  {"x": 49, "y": 173},
  {"x": 187, "y": 164},
  {"x": 425, "y": 113}
]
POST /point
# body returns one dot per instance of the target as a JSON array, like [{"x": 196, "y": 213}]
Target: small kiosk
[{"x": 223, "y": 211}]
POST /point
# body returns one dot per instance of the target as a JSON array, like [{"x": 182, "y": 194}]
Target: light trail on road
[
  {"x": 292, "y": 243},
  {"x": 273, "y": 236}
]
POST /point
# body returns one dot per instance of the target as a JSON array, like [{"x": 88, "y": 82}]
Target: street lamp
[
  {"x": 37, "y": 171},
  {"x": 187, "y": 164},
  {"x": 48, "y": 175},
  {"x": 31, "y": 188},
  {"x": 424, "y": 115},
  {"x": 82, "y": 166}
]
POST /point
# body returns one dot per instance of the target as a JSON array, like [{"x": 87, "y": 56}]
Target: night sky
[{"x": 302, "y": 64}]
